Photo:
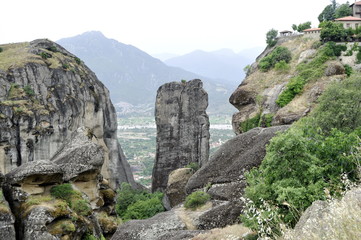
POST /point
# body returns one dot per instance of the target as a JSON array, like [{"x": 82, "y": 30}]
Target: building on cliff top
[
  {"x": 349, "y": 22},
  {"x": 356, "y": 9}
]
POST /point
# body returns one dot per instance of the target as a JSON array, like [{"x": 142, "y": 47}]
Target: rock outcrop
[
  {"x": 223, "y": 175},
  {"x": 336, "y": 219},
  {"x": 177, "y": 182},
  {"x": 234, "y": 157},
  {"x": 182, "y": 129},
  {"x": 150, "y": 229},
  {"x": 46, "y": 94},
  {"x": 256, "y": 97},
  {"x": 7, "y": 220},
  {"x": 41, "y": 214}
]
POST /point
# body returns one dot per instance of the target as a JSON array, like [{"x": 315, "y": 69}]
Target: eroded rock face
[
  {"x": 223, "y": 175},
  {"x": 7, "y": 220},
  {"x": 234, "y": 157},
  {"x": 182, "y": 129},
  {"x": 336, "y": 219},
  {"x": 256, "y": 97},
  {"x": 150, "y": 229},
  {"x": 177, "y": 181},
  {"x": 44, "y": 98}
]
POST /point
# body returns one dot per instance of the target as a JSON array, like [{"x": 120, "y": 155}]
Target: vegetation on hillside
[
  {"x": 137, "y": 204},
  {"x": 309, "y": 72},
  {"x": 313, "y": 160},
  {"x": 277, "y": 55}
]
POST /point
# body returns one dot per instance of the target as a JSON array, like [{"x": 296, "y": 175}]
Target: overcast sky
[{"x": 157, "y": 26}]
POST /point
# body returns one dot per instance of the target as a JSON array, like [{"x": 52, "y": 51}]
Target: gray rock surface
[
  {"x": 35, "y": 225},
  {"x": 234, "y": 157},
  {"x": 180, "y": 235},
  {"x": 78, "y": 155},
  {"x": 177, "y": 181},
  {"x": 182, "y": 129},
  {"x": 44, "y": 98},
  {"x": 336, "y": 219},
  {"x": 149, "y": 229},
  {"x": 7, "y": 220}
]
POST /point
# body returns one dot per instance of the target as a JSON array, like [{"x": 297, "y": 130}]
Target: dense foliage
[
  {"x": 310, "y": 161},
  {"x": 335, "y": 10},
  {"x": 277, "y": 55},
  {"x": 72, "y": 197},
  {"x": 332, "y": 31},
  {"x": 302, "y": 26},
  {"x": 137, "y": 204},
  {"x": 196, "y": 199},
  {"x": 271, "y": 37},
  {"x": 309, "y": 71}
]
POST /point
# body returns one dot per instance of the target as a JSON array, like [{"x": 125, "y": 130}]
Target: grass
[{"x": 16, "y": 55}]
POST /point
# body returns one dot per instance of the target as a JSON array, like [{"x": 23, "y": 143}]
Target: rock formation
[
  {"x": 47, "y": 93},
  {"x": 256, "y": 97},
  {"x": 175, "y": 191},
  {"x": 7, "y": 220},
  {"x": 42, "y": 215},
  {"x": 182, "y": 129},
  {"x": 336, "y": 219}
]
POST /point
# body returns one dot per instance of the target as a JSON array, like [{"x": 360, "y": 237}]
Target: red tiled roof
[
  {"x": 356, "y": 3},
  {"x": 349, "y": 18},
  {"x": 312, "y": 29}
]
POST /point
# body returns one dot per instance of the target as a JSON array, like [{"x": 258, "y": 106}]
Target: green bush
[
  {"x": 143, "y": 209},
  {"x": 358, "y": 56},
  {"x": 348, "y": 70},
  {"x": 63, "y": 191},
  {"x": 282, "y": 66},
  {"x": 339, "y": 106},
  {"x": 194, "y": 166},
  {"x": 52, "y": 49},
  {"x": 45, "y": 55},
  {"x": 81, "y": 207},
  {"x": 309, "y": 72},
  {"x": 308, "y": 160},
  {"x": 277, "y": 55},
  {"x": 29, "y": 91},
  {"x": 139, "y": 201},
  {"x": 1, "y": 49},
  {"x": 196, "y": 199},
  {"x": 77, "y": 60},
  {"x": 65, "y": 66},
  {"x": 294, "y": 87},
  {"x": 250, "y": 123}
]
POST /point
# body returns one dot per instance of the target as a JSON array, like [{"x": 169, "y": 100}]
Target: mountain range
[
  {"x": 133, "y": 76},
  {"x": 222, "y": 64}
]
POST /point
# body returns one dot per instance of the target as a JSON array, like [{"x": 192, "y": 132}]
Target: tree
[
  {"x": 328, "y": 13},
  {"x": 343, "y": 10},
  {"x": 271, "y": 37},
  {"x": 294, "y": 27},
  {"x": 332, "y": 31},
  {"x": 303, "y": 26}
]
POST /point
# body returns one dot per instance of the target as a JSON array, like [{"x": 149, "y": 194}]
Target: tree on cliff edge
[{"x": 271, "y": 37}]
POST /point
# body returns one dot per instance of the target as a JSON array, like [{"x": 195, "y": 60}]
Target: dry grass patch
[
  {"x": 233, "y": 232},
  {"x": 16, "y": 55}
]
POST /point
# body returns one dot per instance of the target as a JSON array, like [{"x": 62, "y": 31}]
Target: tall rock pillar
[{"x": 182, "y": 129}]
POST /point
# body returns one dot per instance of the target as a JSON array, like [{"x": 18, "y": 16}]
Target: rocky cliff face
[
  {"x": 46, "y": 94},
  {"x": 182, "y": 129},
  {"x": 256, "y": 97}
]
